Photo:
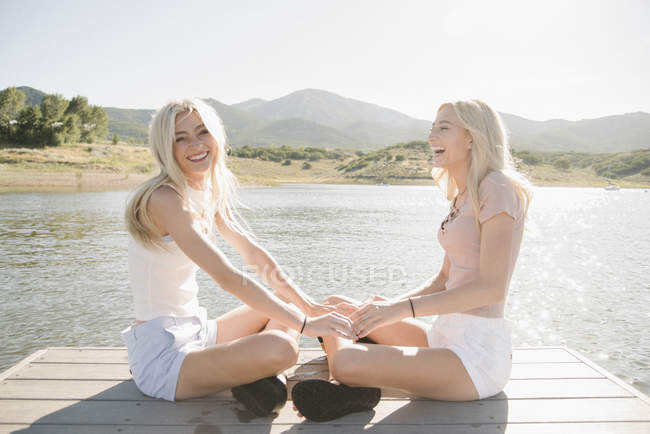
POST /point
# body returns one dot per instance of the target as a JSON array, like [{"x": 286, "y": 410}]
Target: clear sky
[{"x": 546, "y": 59}]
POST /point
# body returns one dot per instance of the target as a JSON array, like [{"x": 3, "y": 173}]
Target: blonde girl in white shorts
[
  {"x": 466, "y": 354},
  {"x": 176, "y": 352}
]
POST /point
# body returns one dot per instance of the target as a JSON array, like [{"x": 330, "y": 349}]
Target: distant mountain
[
  {"x": 248, "y": 104},
  {"x": 297, "y": 132},
  {"x": 616, "y": 133},
  {"x": 313, "y": 117},
  {"x": 32, "y": 96},
  {"x": 370, "y": 124},
  {"x": 129, "y": 123},
  {"x": 140, "y": 116},
  {"x": 235, "y": 120}
]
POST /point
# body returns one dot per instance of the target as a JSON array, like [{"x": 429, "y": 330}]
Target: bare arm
[
  {"x": 264, "y": 265},
  {"x": 490, "y": 287},
  {"x": 435, "y": 284},
  {"x": 169, "y": 215}
]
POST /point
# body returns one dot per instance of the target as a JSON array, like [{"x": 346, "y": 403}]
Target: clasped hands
[{"x": 357, "y": 320}]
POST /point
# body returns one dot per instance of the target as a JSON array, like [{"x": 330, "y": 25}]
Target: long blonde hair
[
  {"x": 490, "y": 153},
  {"x": 223, "y": 183}
]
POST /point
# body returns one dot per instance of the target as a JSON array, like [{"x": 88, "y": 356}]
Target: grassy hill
[
  {"x": 408, "y": 162},
  {"x": 103, "y": 166}
]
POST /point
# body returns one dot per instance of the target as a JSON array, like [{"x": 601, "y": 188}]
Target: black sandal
[
  {"x": 320, "y": 400},
  {"x": 262, "y": 397}
]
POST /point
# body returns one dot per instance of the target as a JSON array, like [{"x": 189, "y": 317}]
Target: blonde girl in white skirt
[
  {"x": 176, "y": 352},
  {"x": 466, "y": 354}
]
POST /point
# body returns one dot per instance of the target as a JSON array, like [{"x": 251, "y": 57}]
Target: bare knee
[
  {"x": 347, "y": 366},
  {"x": 282, "y": 349}
]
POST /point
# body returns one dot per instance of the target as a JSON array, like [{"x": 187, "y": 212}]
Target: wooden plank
[
  {"x": 553, "y": 370},
  {"x": 313, "y": 355},
  {"x": 20, "y": 365},
  {"x": 82, "y": 355},
  {"x": 73, "y": 371},
  {"x": 396, "y": 412},
  {"x": 611, "y": 376},
  {"x": 313, "y": 428},
  {"x": 127, "y": 390},
  {"x": 119, "y": 355},
  {"x": 563, "y": 388},
  {"x": 120, "y": 371},
  {"x": 115, "y": 371},
  {"x": 543, "y": 355}
]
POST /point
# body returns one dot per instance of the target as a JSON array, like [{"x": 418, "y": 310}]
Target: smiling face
[
  {"x": 450, "y": 142},
  {"x": 194, "y": 147}
]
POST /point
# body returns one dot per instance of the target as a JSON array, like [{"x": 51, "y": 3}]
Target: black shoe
[
  {"x": 365, "y": 340},
  {"x": 262, "y": 397},
  {"x": 320, "y": 400}
]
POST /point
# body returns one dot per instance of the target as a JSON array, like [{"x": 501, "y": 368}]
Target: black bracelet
[
  {"x": 412, "y": 310},
  {"x": 304, "y": 323}
]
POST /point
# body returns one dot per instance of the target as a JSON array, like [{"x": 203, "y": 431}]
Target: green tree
[
  {"x": 115, "y": 140},
  {"x": 81, "y": 111},
  {"x": 12, "y": 102},
  {"x": 29, "y": 127},
  {"x": 72, "y": 128},
  {"x": 94, "y": 124},
  {"x": 97, "y": 125},
  {"x": 53, "y": 107},
  {"x": 52, "y": 126},
  {"x": 79, "y": 106}
]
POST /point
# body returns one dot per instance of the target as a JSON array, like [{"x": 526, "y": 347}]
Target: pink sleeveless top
[{"x": 462, "y": 241}]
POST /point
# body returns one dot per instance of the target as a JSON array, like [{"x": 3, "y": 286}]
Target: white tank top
[{"x": 164, "y": 282}]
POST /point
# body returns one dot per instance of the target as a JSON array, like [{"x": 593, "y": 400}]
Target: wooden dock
[{"x": 90, "y": 390}]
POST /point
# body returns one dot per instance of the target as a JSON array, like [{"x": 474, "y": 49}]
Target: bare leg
[
  {"x": 435, "y": 373},
  {"x": 244, "y": 321},
  {"x": 241, "y": 355},
  {"x": 240, "y": 361}
]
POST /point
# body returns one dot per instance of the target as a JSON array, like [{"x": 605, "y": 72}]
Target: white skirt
[{"x": 483, "y": 344}]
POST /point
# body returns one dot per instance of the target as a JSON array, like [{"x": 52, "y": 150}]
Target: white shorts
[
  {"x": 483, "y": 344},
  {"x": 157, "y": 348}
]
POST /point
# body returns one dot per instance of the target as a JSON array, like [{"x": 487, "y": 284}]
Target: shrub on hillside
[
  {"x": 528, "y": 158},
  {"x": 562, "y": 163},
  {"x": 417, "y": 144}
]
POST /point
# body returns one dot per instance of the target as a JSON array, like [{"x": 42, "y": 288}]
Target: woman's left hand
[{"x": 378, "y": 314}]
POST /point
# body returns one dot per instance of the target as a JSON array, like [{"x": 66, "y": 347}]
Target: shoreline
[
  {"x": 107, "y": 167},
  {"x": 37, "y": 181}
]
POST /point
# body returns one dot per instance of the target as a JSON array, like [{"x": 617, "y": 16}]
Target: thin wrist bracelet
[
  {"x": 304, "y": 323},
  {"x": 412, "y": 310}
]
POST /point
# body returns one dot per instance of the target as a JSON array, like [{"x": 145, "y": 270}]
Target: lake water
[{"x": 581, "y": 279}]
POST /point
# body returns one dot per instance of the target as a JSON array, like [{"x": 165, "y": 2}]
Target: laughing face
[
  {"x": 450, "y": 142},
  {"x": 194, "y": 147}
]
